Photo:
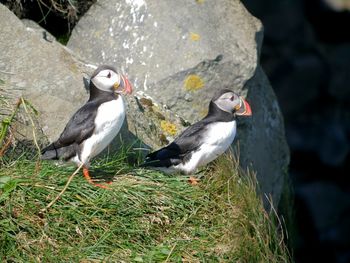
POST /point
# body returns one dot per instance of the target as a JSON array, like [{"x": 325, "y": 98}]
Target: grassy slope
[{"x": 146, "y": 217}]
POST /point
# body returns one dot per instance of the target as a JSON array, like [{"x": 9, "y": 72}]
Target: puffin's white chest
[
  {"x": 109, "y": 119},
  {"x": 217, "y": 139},
  {"x": 220, "y": 135}
]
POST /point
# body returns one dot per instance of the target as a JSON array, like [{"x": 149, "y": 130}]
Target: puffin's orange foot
[
  {"x": 89, "y": 179},
  {"x": 193, "y": 180}
]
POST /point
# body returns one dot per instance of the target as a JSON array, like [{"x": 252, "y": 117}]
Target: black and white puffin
[
  {"x": 95, "y": 124},
  {"x": 205, "y": 140}
]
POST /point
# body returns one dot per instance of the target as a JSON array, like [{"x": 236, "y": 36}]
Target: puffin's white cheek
[
  {"x": 103, "y": 83},
  {"x": 115, "y": 78}
]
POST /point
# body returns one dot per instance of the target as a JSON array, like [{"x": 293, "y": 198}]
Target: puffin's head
[
  {"x": 106, "y": 78},
  {"x": 229, "y": 101}
]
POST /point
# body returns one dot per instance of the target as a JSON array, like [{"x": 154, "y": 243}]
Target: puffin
[
  {"x": 205, "y": 140},
  {"x": 92, "y": 128}
]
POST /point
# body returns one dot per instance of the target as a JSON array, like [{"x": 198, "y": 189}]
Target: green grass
[{"x": 146, "y": 217}]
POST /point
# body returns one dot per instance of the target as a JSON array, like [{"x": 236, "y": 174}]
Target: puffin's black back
[
  {"x": 181, "y": 149},
  {"x": 81, "y": 125}
]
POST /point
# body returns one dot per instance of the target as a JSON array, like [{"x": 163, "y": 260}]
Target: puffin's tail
[
  {"x": 160, "y": 158},
  {"x": 151, "y": 163},
  {"x": 151, "y": 160},
  {"x": 52, "y": 152}
]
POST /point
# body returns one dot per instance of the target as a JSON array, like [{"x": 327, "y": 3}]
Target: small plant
[
  {"x": 66, "y": 8},
  {"x": 7, "y": 131}
]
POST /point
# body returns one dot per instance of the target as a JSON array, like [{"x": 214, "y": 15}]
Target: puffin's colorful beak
[
  {"x": 244, "y": 108},
  {"x": 127, "y": 88}
]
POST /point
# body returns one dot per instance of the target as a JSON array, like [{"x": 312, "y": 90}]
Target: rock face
[
  {"x": 153, "y": 40},
  {"x": 179, "y": 53},
  {"x": 262, "y": 139},
  {"x": 43, "y": 72}
]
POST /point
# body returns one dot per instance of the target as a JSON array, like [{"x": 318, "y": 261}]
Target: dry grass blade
[
  {"x": 24, "y": 103},
  {"x": 6, "y": 122},
  {"x": 6, "y": 145},
  {"x": 62, "y": 191}
]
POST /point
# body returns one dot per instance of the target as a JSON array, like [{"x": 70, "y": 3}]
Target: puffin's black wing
[
  {"x": 79, "y": 128},
  {"x": 180, "y": 149}
]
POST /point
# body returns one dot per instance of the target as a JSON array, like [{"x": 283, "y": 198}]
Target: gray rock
[
  {"x": 153, "y": 40},
  {"x": 42, "y": 33},
  {"x": 45, "y": 73},
  {"x": 179, "y": 53},
  {"x": 262, "y": 139}
]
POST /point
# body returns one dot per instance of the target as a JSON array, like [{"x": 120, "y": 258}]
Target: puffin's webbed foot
[{"x": 89, "y": 179}]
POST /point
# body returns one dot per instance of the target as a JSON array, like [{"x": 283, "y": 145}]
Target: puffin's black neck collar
[
  {"x": 96, "y": 93},
  {"x": 217, "y": 114}
]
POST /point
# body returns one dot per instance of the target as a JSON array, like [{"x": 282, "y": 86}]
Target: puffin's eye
[
  {"x": 232, "y": 98},
  {"x": 109, "y": 75}
]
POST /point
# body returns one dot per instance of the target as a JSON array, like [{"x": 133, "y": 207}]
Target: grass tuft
[{"x": 146, "y": 217}]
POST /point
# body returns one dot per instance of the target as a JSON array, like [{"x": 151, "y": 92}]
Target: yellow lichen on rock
[
  {"x": 168, "y": 127},
  {"x": 193, "y": 82},
  {"x": 203, "y": 113},
  {"x": 195, "y": 36}
]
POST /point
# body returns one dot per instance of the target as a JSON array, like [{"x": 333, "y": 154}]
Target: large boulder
[
  {"x": 42, "y": 71},
  {"x": 179, "y": 53}
]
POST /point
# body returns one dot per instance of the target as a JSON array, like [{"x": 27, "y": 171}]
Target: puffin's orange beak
[
  {"x": 127, "y": 88},
  {"x": 244, "y": 108}
]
